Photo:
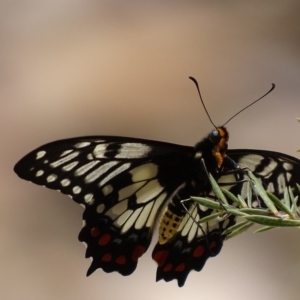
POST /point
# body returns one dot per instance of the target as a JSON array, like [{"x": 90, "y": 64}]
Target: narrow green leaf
[
  {"x": 294, "y": 200},
  {"x": 239, "y": 231},
  {"x": 226, "y": 209},
  {"x": 287, "y": 198},
  {"x": 265, "y": 228},
  {"x": 210, "y": 217},
  {"x": 273, "y": 221},
  {"x": 217, "y": 190},
  {"x": 235, "y": 227},
  {"x": 280, "y": 205},
  {"x": 263, "y": 194},
  {"x": 256, "y": 211},
  {"x": 231, "y": 196},
  {"x": 249, "y": 193},
  {"x": 243, "y": 203},
  {"x": 208, "y": 203}
]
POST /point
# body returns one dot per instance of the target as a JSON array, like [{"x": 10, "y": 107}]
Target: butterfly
[{"x": 130, "y": 186}]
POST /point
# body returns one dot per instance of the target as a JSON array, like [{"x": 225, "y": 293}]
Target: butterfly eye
[{"x": 214, "y": 136}]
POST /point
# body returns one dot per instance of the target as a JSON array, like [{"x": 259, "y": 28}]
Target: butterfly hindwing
[{"x": 191, "y": 246}]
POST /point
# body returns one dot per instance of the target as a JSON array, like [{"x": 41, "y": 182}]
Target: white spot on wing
[
  {"x": 40, "y": 154},
  {"x": 157, "y": 204},
  {"x": 129, "y": 190},
  {"x": 100, "y": 208},
  {"x": 89, "y": 199},
  {"x": 149, "y": 191},
  {"x": 70, "y": 166},
  {"x": 133, "y": 150},
  {"x": 193, "y": 230},
  {"x": 66, "y": 152},
  {"x": 245, "y": 188},
  {"x": 271, "y": 188},
  {"x": 117, "y": 210},
  {"x": 143, "y": 216},
  {"x": 202, "y": 207},
  {"x": 123, "y": 218},
  {"x": 100, "y": 150},
  {"x": 95, "y": 174},
  {"x": 268, "y": 169},
  {"x": 250, "y": 161},
  {"x": 189, "y": 223},
  {"x": 131, "y": 220},
  {"x": 144, "y": 172},
  {"x": 82, "y": 144},
  {"x": 116, "y": 172},
  {"x": 202, "y": 229},
  {"x": 51, "y": 178},
  {"x": 65, "y": 182},
  {"x": 227, "y": 181},
  {"x": 107, "y": 189},
  {"x": 287, "y": 166},
  {"x": 225, "y": 223},
  {"x": 83, "y": 169},
  {"x": 64, "y": 159},
  {"x": 76, "y": 189},
  {"x": 281, "y": 183},
  {"x": 198, "y": 154},
  {"x": 39, "y": 173}
]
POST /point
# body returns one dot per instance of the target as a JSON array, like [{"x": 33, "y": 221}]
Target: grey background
[{"x": 72, "y": 68}]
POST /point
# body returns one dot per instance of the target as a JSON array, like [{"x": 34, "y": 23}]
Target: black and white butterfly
[{"x": 128, "y": 185}]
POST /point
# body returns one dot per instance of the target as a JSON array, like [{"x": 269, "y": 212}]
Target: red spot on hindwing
[
  {"x": 106, "y": 257},
  {"x": 160, "y": 257},
  {"x": 104, "y": 240},
  {"x": 138, "y": 252},
  {"x": 199, "y": 251},
  {"x": 212, "y": 244},
  {"x": 180, "y": 267},
  {"x": 121, "y": 260},
  {"x": 95, "y": 231},
  {"x": 168, "y": 267}
]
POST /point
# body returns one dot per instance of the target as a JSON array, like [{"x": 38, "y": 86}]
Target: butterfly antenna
[
  {"x": 271, "y": 89},
  {"x": 197, "y": 86}
]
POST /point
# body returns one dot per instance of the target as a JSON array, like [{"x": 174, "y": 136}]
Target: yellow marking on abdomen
[{"x": 168, "y": 226}]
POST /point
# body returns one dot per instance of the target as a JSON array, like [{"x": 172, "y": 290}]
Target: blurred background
[{"x": 73, "y": 68}]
